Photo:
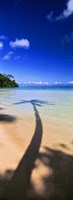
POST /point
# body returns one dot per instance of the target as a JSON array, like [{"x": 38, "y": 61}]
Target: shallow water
[{"x": 57, "y": 108}]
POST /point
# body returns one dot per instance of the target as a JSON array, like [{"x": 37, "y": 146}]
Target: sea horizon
[{"x": 46, "y": 87}]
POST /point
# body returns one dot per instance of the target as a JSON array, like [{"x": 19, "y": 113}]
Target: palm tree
[{"x": 10, "y": 76}]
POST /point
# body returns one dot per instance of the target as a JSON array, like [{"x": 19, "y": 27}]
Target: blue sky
[{"x": 36, "y": 40}]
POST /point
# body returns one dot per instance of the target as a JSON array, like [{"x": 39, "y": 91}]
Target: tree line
[{"x": 7, "y": 81}]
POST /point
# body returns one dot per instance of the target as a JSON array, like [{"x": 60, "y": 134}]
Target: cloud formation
[
  {"x": 35, "y": 83},
  {"x": 44, "y": 83},
  {"x": 41, "y": 83},
  {"x": 3, "y": 37},
  {"x": 20, "y": 43},
  {"x": 66, "y": 13},
  {"x": 8, "y": 56},
  {"x": 1, "y": 45},
  {"x": 68, "y": 38},
  {"x": 70, "y": 82}
]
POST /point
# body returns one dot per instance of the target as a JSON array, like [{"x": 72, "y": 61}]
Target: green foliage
[{"x": 7, "y": 81}]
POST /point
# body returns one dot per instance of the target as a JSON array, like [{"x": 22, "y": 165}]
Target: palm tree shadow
[
  {"x": 19, "y": 184},
  {"x": 59, "y": 183},
  {"x": 1, "y": 108},
  {"x": 35, "y": 102}
]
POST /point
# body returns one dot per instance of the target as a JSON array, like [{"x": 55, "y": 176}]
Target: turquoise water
[{"x": 55, "y": 105}]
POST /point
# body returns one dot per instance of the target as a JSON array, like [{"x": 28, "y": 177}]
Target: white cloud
[
  {"x": 46, "y": 83},
  {"x": 69, "y": 10},
  {"x": 29, "y": 82},
  {"x": 1, "y": 45},
  {"x": 70, "y": 82},
  {"x": 25, "y": 82},
  {"x": 41, "y": 83},
  {"x": 3, "y": 37},
  {"x": 37, "y": 82},
  {"x": 20, "y": 43},
  {"x": 57, "y": 83},
  {"x": 8, "y": 56},
  {"x": 66, "y": 13}
]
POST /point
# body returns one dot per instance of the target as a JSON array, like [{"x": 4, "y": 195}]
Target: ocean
[{"x": 54, "y": 104}]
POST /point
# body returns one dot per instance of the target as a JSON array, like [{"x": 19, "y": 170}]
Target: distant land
[{"x": 7, "y": 81}]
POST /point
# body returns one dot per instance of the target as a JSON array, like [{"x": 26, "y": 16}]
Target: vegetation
[{"x": 7, "y": 81}]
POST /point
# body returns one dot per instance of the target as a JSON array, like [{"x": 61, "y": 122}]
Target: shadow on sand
[
  {"x": 35, "y": 102},
  {"x": 20, "y": 181},
  {"x": 7, "y": 118},
  {"x": 1, "y": 108},
  {"x": 57, "y": 185}
]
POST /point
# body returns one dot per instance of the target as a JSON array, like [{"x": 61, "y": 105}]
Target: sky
[{"x": 36, "y": 40}]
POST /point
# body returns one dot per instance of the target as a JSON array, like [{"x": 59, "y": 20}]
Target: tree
[
  {"x": 10, "y": 76},
  {"x": 5, "y": 81}
]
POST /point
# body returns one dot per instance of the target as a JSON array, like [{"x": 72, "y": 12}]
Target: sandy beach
[
  {"x": 36, "y": 144},
  {"x": 51, "y": 173}
]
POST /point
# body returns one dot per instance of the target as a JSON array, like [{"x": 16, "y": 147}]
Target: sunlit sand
[
  {"x": 15, "y": 138},
  {"x": 36, "y": 148}
]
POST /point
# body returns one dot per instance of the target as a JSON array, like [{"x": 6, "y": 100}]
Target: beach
[{"x": 36, "y": 138}]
